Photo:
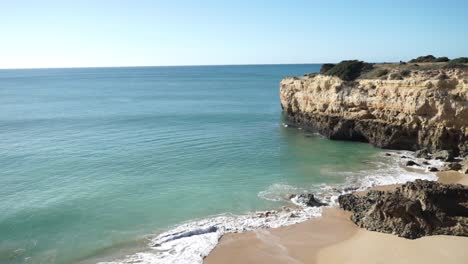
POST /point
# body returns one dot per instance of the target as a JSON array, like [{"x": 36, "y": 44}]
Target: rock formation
[
  {"x": 307, "y": 199},
  {"x": 413, "y": 210},
  {"x": 425, "y": 109}
]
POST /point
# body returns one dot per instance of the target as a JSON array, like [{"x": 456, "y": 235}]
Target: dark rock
[
  {"x": 464, "y": 164},
  {"x": 354, "y": 203},
  {"x": 422, "y": 153},
  {"x": 266, "y": 213},
  {"x": 404, "y": 157},
  {"x": 307, "y": 199},
  {"x": 411, "y": 163},
  {"x": 350, "y": 189},
  {"x": 444, "y": 155},
  {"x": 426, "y": 163},
  {"x": 313, "y": 74},
  {"x": 413, "y": 210},
  {"x": 388, "y": 154},
  {"x": 453, "y": 166},
  {"x": 383, "y": 135},
  {"x": 433, "y": 169}
]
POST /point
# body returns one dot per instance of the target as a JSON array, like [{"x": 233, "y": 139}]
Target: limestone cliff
[{"x": 425, "y": 109}]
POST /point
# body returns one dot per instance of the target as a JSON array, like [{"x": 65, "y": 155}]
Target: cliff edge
[{"x": 410, "y": 109}]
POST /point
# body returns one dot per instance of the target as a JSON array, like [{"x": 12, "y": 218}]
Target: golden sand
[{"x": 333, "y": 238}]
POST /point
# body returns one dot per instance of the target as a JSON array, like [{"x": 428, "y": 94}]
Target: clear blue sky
[{"x": 64, "y": 33}]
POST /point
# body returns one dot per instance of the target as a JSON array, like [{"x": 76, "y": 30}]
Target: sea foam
[{"x": 190, "y": 242}]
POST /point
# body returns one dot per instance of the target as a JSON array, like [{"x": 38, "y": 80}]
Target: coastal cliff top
[
  {"x": 414, "y": 105},
  {"x": 426, "y": 67}
]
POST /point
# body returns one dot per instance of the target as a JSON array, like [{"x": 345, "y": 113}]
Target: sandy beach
[{"x": 333, "y": 238}]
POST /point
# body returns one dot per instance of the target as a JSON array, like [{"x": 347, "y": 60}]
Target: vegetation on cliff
[
  {"x": 460, "y": 60},
  {"x": 347, "y": 70},
  {"x": 351, "y": 70},
  {"x": 399, "y": 106},
  {"x": 432, "y": 59},
  {"x": 429, "y": 58}
]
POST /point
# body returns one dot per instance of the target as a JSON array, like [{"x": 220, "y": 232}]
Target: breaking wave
[{"x": 190, "y": 242}]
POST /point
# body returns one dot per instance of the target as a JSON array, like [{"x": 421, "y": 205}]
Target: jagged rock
[
  {"x": 350, "y": 188},
  {"x": 266, "y": 213},
  {"x": 307, "y": 199},
  {"x": 418, "y": 112},
  {"x": 413, "y": 210},
  {"x": 453, "y": 166},
  {"x": 411, "y": 163},
  {"x": 444, "y": 155},
  {"x": 423, "y": 153},
  {"x": 464, "y": 164}
]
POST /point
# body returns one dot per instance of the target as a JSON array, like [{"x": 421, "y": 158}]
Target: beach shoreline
[
  {"x": 196, "y": 240},
  {"x": 333, "y": 238}
]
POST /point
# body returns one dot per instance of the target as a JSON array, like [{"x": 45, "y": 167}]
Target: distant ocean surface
[{"x": 95, "y": 163}]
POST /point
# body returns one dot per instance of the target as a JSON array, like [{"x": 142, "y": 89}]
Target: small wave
[
  {"x": 393, "y": 171},
  {"x": 279, "y": 192},
  {"x": 189, "y": 243},
  {"x": 384, "y": 170}
]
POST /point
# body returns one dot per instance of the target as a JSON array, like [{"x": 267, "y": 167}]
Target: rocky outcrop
[
  {"x": 424, "y": 110},
  {"x": 415, "y": 209},
  {"x": 306, "y": 199}
]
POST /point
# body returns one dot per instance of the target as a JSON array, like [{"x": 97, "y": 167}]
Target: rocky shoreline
[
  {"x": 334, "y": 238},
  {"x": 422, "y": 109},
  {"x": 413, "y": 210}
]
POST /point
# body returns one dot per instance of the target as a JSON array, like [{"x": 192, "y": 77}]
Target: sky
[{"x": 100, "y": 33}]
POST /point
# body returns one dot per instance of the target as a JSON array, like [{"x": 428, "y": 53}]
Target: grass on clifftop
[
  {"x": 429, "y": 58},
  {"x": 350, "y": 70}
]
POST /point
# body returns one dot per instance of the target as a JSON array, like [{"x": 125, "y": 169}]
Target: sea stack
[{"x": 395, "y": 106}]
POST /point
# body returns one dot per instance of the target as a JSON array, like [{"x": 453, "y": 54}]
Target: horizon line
[
  {"x": 182, "y": 65},
  {"x": 149, "y": 66}
]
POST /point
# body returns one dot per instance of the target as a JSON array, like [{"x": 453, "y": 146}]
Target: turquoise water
[{"x": 96, "y": 160}]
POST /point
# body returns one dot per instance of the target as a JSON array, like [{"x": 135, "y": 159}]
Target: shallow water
[{"x": 93, "y": 161}]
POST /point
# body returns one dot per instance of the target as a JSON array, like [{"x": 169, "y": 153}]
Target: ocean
[{"x": 154, "y": 164}]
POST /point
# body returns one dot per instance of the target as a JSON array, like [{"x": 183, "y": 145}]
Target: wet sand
[
  {"x": 333, "y": 238},
  {"x": 298, "y": 243},
  {"x": 452, "y": 177}
]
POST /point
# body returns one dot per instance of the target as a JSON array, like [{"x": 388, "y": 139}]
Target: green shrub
[
  {"x": 349, "y": 70},
  {"x": 460, "y": 60},
  {"x": 376, "y": 73},
  {"x": 442, "y": 59},
  {"x": 396, "y": 76},
  {"x": 325, "y": 67},
  {"x": 405, "y": 73},
  {"x": 455, "y": 65},
  {"x": 429, "y": 58},
  {"x": 381, "y": 72}
]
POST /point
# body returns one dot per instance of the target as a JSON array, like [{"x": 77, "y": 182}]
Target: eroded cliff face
[{"x": 427, "y": 109}]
